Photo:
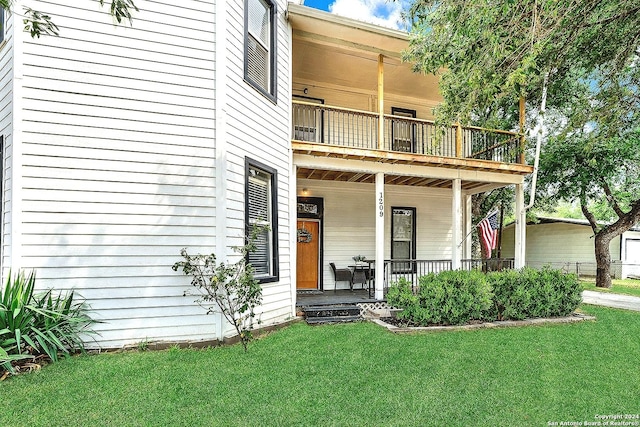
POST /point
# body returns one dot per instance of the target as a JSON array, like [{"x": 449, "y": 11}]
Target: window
[
  {"x": 261, "y": 210},
  {"x": 3, "y": 23},
  {"x": 260, "y": 46},
  {"x": 403, "y": 238}
]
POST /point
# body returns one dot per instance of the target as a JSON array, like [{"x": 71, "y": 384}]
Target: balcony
[{"x": 340, "y": 132}]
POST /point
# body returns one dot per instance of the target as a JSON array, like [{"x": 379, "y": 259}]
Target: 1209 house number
[{"x": 381, "y": 205}]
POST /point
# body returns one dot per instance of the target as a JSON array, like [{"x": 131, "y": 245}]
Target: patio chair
[{"x": 342, "y": 275}]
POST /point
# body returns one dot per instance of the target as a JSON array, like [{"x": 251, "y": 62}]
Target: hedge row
[{"x": 458, "y": 297}]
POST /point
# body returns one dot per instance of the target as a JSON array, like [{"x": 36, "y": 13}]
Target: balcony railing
[{"x": 343, "y": 127}]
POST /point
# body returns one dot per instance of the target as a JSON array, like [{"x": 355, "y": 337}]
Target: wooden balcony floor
[{"x": 392, "y": 157}]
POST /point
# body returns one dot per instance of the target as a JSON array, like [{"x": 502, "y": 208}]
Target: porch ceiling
[
  {"x": 334, "y": 50},
  {"x": 369, "y": 178}
]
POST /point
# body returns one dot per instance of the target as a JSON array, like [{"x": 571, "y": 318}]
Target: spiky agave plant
[{"x": 31, "y": 324}]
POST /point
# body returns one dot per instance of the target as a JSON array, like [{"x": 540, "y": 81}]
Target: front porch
[
  {"x": 411, "y": 270},
  {"x": 401, "y": 228}
]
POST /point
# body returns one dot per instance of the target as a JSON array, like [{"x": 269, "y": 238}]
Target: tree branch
[
  {"x": 611, "y": 199},
  {"x": 587, "y": 214},
  {"x": 630, "y": 12}
]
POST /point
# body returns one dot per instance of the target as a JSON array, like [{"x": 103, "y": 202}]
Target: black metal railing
[
  {"x": 319, "y": 123},
  {"x": 412, "y": 269}
]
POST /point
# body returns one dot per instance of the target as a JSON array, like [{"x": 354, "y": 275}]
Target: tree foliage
[
  {"x": 584, "y": 53},
  {"x": 490, "y": 53},
  {"x": 38, "y": 23}
]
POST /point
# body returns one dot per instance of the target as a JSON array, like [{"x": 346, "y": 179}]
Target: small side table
[{"x": 363, "y": 274}]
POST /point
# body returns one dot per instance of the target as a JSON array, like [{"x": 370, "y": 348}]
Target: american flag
[{"x": 487, "y": 228}]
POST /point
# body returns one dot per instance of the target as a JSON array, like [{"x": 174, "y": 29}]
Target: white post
[
  {"x": 521, "y": 227},
  {"x": 456, "y": 226},
  {"x": 379, "y": 274},
  {"x": 467, "y": 228}
]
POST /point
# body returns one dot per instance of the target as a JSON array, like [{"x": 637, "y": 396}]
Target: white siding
[
  {"x": 349, "y": 221},
  {"x": 118, "y": 163},
  {"x": 559, "y": 244},
  {"x": 630, "y": 254}
]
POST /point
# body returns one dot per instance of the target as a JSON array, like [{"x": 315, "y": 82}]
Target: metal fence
[{"x": 618, "y": 269}]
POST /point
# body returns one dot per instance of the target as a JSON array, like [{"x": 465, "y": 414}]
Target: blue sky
[{"x": 380, "y": 12}]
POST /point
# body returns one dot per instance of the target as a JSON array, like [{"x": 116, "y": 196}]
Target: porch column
[
  {"x": 380, "y": 102},
  {"x": 379, "y": 212},
  {"x": 521, "y": 227},
  {"x": 468, "y": 223},
  {"x": 456, "y": 226}
]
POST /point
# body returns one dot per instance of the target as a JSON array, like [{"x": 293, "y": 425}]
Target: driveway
[{"x": 626, "y": 302}]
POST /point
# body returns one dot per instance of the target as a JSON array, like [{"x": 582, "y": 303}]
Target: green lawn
[
  {"x": 350, "y": 375},
  {"x": 618, "y": 286}
]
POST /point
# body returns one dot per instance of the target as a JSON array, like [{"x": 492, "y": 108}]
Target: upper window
[
  {"x": 260, "y": 46},
  {"x": 261, "y": 211},
  {"x": 3, "y": 24},
  {"x": 403, "y": 238}
]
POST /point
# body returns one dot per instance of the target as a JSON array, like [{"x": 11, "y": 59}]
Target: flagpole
[{"x": 475, "y": 226}]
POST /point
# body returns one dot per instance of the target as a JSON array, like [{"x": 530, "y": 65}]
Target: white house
[
  {"x": 569, "y": 244},
  {"x": 121, "y": 145}
]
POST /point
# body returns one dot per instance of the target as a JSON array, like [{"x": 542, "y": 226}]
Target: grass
[
  {"x": 618, "y": 286},
  {"x": 349, "y": 375}
]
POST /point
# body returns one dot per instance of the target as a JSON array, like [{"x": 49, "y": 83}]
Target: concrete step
[
  {"x": 331, "y": 310},
  {"x": 336, "y": 313}
]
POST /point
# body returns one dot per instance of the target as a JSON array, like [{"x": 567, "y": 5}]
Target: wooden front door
[{"x": 308, "y": 254}]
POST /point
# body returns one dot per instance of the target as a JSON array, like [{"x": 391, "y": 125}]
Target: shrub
[
  {"x": 529, "y": 293},
  {"x": 231, "y": 286},
  {"x": 448, "y": 298},
  {"x": 456, "y": 297},
  {"x": 31, "y": 325}
]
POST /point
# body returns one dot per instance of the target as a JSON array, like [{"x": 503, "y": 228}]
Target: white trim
[
  {"x": 221, "y": 145},
  {"x": 309, "y": 12},
  {"x": 293, "y": 195}
]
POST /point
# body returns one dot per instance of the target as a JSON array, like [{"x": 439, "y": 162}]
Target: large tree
[
  {"x": 38, "y": 23},
  {"x": 574, "y": 54},
  {"x": 595, "y": 160}
]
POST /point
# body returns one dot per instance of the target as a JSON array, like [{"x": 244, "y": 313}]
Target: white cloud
[{"x": 385, "y": 13}]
